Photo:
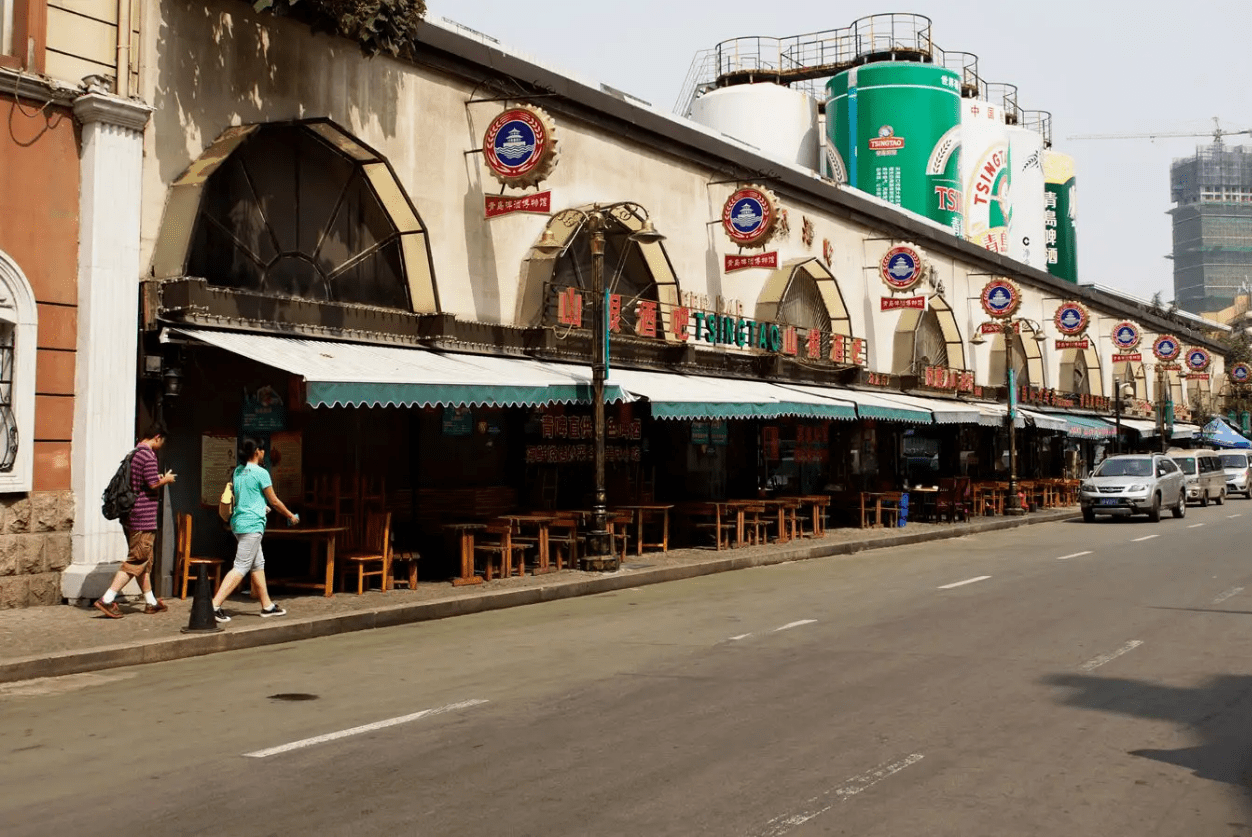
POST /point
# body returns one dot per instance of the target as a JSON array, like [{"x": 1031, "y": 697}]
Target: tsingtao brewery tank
[
  {"x": 1060, "y": 216},
  {"x": 985, "y": 174},
  {"x": 895, "y": 132},
  {"x": 1026, "y": 227},
  {"x": 781, "y": 122}
]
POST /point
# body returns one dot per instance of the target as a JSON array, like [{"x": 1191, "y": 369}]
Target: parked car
[
  {"x": 1204, "y": 474},
  {"x": 1238, "y": 473},
  {"x": 1134, "y": 484}
]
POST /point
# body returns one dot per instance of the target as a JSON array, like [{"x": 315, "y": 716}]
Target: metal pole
[
  {"x": 1014, "y": 506},
  {"x": 599, "y": 544},
  {"x": 1160, "y": 410},
  {"x": 1117, "y": 416}
]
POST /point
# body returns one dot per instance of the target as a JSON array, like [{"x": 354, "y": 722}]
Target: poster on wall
[
  {"x": 286, "y": 464},
  {"x": 217, "y": 463},
  {"x": 263, "y": 412}
]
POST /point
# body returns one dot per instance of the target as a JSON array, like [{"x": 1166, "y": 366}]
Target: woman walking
[{"x": 254, "y": 497}]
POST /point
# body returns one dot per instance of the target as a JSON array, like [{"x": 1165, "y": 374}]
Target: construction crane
[{"x": 1217, "y": 133}]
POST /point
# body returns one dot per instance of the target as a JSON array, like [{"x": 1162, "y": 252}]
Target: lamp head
[
  {"x": 548, "y": 245},
  {"x": 647, "y": 234},
  {"x": 977, "y": 339},
  {"x": 1040, "y": 337}
]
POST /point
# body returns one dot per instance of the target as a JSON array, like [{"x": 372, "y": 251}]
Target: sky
[{"x": 1100, "y": 67}]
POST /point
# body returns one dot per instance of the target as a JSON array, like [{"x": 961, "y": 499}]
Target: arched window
[
  {"x": 626, "y": 270},
  {"x": 1021, "y": 361},
  {"x": 18, "y": 335},
  {"x": 930, "y": 347},
  {"x": 297, "y": 210},
  {"x": 1080, "y": 381}
]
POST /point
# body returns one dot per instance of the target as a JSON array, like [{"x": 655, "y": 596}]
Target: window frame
[
  {"x": 17, "y": 306},
  {"x": 29, "y": 35}
]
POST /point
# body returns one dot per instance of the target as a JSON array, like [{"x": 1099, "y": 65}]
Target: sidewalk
[{"x": 53, "y": 641}]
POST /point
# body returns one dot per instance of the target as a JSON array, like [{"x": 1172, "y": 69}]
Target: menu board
[
  {"x": 286, "y": 458},
  {"x": 217, "y": 463}
]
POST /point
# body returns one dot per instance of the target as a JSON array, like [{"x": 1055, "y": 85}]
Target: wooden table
[
  {"x": 465, "y": 532},
  {"x": 819, "y": 502},
  {"x": 316, "y": 535},
  {"x": 926, "y": 507},
  {"x": 541, "y": 523},
  {"x": 643, "y": 510},
  {"x": 877, "y": 497}
]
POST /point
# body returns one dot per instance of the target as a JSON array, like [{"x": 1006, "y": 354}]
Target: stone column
[{"x": 111, "y": 174}]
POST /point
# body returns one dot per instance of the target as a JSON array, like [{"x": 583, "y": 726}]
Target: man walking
[{"x": 140, "y": 524}]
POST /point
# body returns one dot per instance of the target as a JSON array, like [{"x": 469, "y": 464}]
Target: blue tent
[{"x": 1222, "y": 435}]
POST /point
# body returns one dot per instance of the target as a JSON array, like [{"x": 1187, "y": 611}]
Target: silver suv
[
  {"x": 1238, "y": 473},
  {"x": 1134, "y": 484}
]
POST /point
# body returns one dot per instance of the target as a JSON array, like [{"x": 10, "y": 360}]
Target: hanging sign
[
  {"x": 1000, "y": 298},
  {"x": 895, "y": 303},
  {"x": 750, "y": 215},
  {"x": 1084, "y": 343},
  {"x": 767, "y": 260},
  {"x": 1126, "y": 336},
  {"x": 1127, "y": 357},
  {"x": 539, "y": 203},
  {"x": 901, "y": 268},
  {"x": 1241, "y": 373},
  {"x": 520, "y": 146},
  {"x": 1071, "y": 319},
  {"x": 1198, "y": 359},
  {"x": 1166, "y": 348}
]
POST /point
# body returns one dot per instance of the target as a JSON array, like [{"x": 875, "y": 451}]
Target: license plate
[{"x": 1109, "y": 502}]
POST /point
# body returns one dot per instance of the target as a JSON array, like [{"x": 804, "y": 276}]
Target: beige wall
[{"x": 83, "y": 39}]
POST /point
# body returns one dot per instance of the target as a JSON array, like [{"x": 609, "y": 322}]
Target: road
[{"x": 1059, "y": 679}]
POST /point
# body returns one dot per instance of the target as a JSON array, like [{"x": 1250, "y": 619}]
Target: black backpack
[{"x": 119, "y": 496}]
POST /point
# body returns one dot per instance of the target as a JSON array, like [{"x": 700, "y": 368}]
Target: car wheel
[
  {"x": 1154, "y": 513},
  {"x": 1180, "y": 510},
  {"x": 1088, "y": 515},
  {"x": 1221, "y": 498}
]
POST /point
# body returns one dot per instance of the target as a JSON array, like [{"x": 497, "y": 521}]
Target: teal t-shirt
[{"x": 250, "y": 483}]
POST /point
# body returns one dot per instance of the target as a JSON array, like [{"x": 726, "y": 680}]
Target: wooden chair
[
  {"x": 184, "y": 560},
  {"x": 373, "y": 556},
  {"x": 563, "y": 540},
  {"x": 619, "y": 524},
  {"x": 495, "y": 543},
  {"x": 715, "y": 517},
  {"x": 373, "y": 493},
  {"x": 756, "y": 524},
  {"x": 403, "y": 562},
  {"x": 949, "y": 504}
]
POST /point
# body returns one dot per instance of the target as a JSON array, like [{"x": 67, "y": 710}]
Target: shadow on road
[{"x": 1216, "y": 714}]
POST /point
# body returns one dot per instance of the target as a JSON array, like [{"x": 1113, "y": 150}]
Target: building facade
[{"x": 1212, "y": 191}]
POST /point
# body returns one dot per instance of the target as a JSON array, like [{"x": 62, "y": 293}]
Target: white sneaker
[{"x": 274, "y": 610}]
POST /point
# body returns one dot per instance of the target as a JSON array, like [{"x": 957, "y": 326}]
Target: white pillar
[{"x": 111, "y": 173}]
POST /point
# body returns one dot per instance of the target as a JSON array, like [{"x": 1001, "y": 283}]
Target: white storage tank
[
  {"x": 985, "y": 175},
  {"x": 779, "y": 121},
  {"x": 1026, "y": 224}
]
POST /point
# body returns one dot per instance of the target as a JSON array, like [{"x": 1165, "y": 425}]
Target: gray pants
[{"x": 248, "y": 555}]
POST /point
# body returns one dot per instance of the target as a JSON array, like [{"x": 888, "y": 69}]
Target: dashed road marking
[
  {"x": 1145, "y": 538},
  {"x": 1232, "y": 516},
  {"x": 822, "y": 803},
  {"x": 377, "y": 725},
  {"x": 791, "y": 625},
  {"x": 1074, "y": 555},
  {"x": 1092, "y": 665},
  {"x": 1195, "y": 525},
  {"x": 966, "y": 581},
  {"x": 1233, "y": 591},
  {"x": 741, "y": 636}
]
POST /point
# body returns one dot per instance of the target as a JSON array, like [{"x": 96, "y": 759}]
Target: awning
[
  {"x": 1043, "y": 421},
  {"x": 356, "y": 374},
  {"x": 677, "y": 396},
  {"x": 993, "y": 415},
  {"x": 1142, "y": 426},
  {"x": 944, "y": 411},
  {"x": 1088, "y": 427},
  {"x": 1185, "y": 431},
  {"x": 883, "y": 406}
]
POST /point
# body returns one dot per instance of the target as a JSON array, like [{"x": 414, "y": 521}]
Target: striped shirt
[{"x": 143, "y": 473}]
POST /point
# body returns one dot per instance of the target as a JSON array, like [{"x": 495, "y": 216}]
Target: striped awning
[{"x": 674, "y": 396}]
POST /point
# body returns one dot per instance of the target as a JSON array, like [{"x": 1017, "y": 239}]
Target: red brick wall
[{"x": 39, "y": 231}]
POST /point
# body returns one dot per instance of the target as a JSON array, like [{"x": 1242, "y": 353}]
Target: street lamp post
[
  {"x": 1117, "y": 416},
  {"x": 599, "y": 554},
  {"x": 1009, "y": 327}
]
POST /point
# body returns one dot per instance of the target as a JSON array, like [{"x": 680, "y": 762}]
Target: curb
[{"x": 182, "y": 646}]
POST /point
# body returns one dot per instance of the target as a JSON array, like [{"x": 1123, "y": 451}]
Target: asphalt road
[{"x": 1060, "y": 679}]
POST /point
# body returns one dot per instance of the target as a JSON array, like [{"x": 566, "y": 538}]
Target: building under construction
[{"x": 1212, "y": 192}]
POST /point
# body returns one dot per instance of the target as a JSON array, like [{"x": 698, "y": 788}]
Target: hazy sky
[{"x": 1100, "y": 66}]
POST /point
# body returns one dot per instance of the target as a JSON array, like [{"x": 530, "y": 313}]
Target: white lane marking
[
  {"x": 741, "y": 636},
  {"x": 966, "y": 581},
  {"x": 840, "y": 793},
  {"x": 1145, "y": 538},
  {"x": 1074, "y": 555},
  {"x": 377, "y": 725},
  {"x": 1233, "y": 591},
  {"x": 791, "y": 625},
  {"x": 1092, "y": 665},
  {"x": 1195, "y": 525},
  {"x": 42, "y": 686},
  {"x": 1232, "y": 516}
]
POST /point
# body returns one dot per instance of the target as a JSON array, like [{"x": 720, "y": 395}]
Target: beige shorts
[{"x": 139, "y": 555}]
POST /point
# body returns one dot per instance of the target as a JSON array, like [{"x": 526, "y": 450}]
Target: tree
[
  {"x": 388, "y": 26},
  {"x": 1237, "y": 346}
]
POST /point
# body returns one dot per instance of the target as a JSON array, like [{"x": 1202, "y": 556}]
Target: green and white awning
[
  {"x": 874, "y": 405},
  {"x": 338, "y": 374},
  {"x": 1088, "y": 427},
  {"x": 674, "y": 396}
]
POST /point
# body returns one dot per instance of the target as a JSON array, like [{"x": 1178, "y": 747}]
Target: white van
[
  {"x": 1238, "y": 472},
  {"x": 1206, "y": 478}
]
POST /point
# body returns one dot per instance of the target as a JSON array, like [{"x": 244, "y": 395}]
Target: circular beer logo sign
[
  {"x": 749, "y": 216},
  {"x": 1000, "y": 298},
  {"x": 1126, "y": 336},
  {"x": 1241, "y": 373},
  {"x": 901, "y": 268},
  {"x": 1071, "y": 319},
  {"x": 520, "y": 146},
  {"x": 1198, "y": 359},
  {"x": 1167, "y": 348}
]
